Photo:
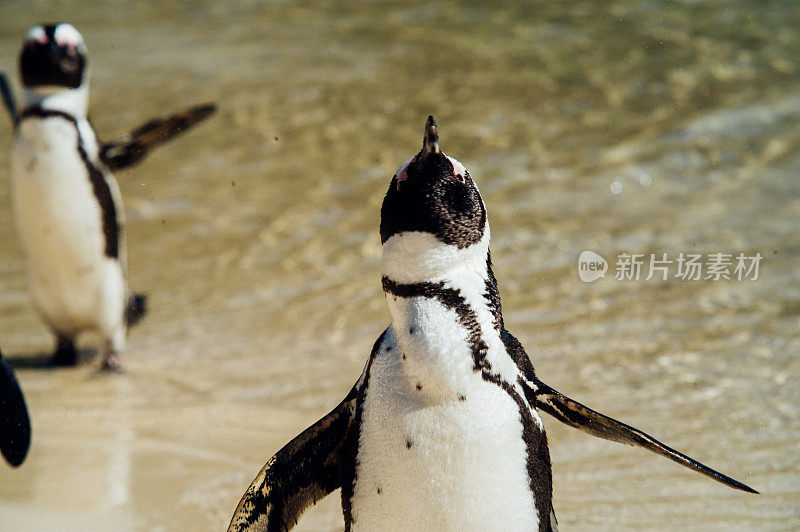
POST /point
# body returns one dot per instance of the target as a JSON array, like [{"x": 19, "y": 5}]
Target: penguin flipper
[
  {"x": 8, "y": 99},
  {"x": 553, "y": 521},
  {"x": 576, "y": 415},
  {"x": 15, "y": 425},
  {"x": 131, "y": 148},
  {"x": 299, "y": 475}
]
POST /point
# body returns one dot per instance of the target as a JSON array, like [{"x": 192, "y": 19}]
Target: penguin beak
[{"x": 430, "y": 143}]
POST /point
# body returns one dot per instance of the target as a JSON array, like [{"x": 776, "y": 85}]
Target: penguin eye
[{"x": 461, "y": 179}]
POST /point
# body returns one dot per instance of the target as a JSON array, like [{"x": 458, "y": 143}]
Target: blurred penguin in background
[{"x": 67, "y": 204}]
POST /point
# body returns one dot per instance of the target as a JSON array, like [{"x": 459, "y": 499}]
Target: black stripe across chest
[
  {"x": 538, "y": 454},
  {"x": 450, "y": 298},
  {"x": 100, "y": 187}
]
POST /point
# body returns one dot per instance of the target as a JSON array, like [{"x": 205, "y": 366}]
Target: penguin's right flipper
[
  {"x": 574, "y": 414},
  {"x": 131, "y": 148},
  {"x": 15, "y": 425},
  {"x": 8, "y": 99},
  {"x": 303, "y": 472}
]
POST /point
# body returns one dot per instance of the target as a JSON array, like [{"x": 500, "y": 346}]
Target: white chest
[
  {"x": 60, "y": 224},
  {"x": 440, "y": 448},
  {"x": 55, "y": 208}
]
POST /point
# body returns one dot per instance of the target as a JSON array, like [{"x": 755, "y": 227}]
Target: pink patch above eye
[
  {"x": 66, "y": 42},
  {"x": 66, "y": 35},
  {"x": 402, "y": 176},
  {"x": 402, "y": 173},
  {"x": 37, "y": 35},
  {"x": 458, "y": 168}
]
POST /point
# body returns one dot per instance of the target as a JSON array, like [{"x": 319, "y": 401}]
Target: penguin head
[
  {"x": 53, "y": 56},
  {"x": 433, "y": 212}
]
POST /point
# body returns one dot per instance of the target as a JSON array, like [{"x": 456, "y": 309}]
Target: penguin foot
[
  {"x": 136, "y": 308},
  {"x": 65, "y": 354},
  {"x": 112, "y": 362}
]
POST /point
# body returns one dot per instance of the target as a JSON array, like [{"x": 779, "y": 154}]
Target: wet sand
[{"x": 255, "y": 237}]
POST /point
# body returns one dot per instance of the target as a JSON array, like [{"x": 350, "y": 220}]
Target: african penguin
[
  {"x": 67, "y": 204},
  {"x": 442, "y": 431}
]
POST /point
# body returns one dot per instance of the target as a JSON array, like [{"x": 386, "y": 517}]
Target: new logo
[{"x": 591, "y": 266}]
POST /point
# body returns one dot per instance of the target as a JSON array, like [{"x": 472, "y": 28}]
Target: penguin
[
  {"x": 442, "y": 431},
  {"x": 66, "y": 201},
  {"x": 15, "y": 425}
]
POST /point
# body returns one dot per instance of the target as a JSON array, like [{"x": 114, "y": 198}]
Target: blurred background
[{"x": 638, "y": 127}]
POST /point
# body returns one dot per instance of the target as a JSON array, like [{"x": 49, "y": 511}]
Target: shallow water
[{"x": 255, "y": 237}]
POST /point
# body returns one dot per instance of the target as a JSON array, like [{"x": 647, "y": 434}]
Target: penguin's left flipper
[
  {"x": 131, "y": 148},
  {"x": 584, "y": 418},
  {"x": 8, "y": 99},
  {"x": 302, "y": 473},
  {"x": 15, "y": 425}
]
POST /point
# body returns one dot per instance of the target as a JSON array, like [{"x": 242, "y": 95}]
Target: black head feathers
[{"x": 434, "y": 193}]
